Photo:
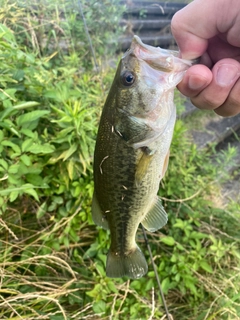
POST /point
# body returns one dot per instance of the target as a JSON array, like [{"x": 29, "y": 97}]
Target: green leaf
[
  {"x": 112, "y": 287},
  {"x": 14, "y": 168},
  {"x": 13, "y": 195},
  {"x": 92, "y": 251},
  {"x": 26, "y": 145},
  {"x": 5, "y": 113},
  {"x": 12, "y": 109},
  {"x": 174, "y": 258},
  {"x": 28, "y": 132},
  {"x": 177, "y": 277},
  {"x": 14, "y": 179},
  {"x": 165, "y": 285},
  {"x": 7, "y": 34},
  {"x": 95, "y": 291},
  {"x": 12, "y": 145},
  {"x": 18, "y": 75},
  {"x": 58, "y": 200},
  {"x": 99, "y": 307},
  {"x": 150, "y": 284},
  {"x": 41, "y": 148},
  {"x": 64, "y": 133},
  {"x": 169, "y": 241},
  {"x": 190, "y": 285},
  {"x": 31, "y": 116},
  {"x": 23, "y": 169},
  {"x": 192, "y": 243},
  {"x": 69, "y": 152},
  {"x": 179, "y": 224},
  {"x": 34, "y": 179},
  {"x": 100, "y": 269},
  {"x": 32, "y": 192},
  {"x": 66, "y": 241},
  {"x": 4, "y": 164},
  {"x": 180, "y": 247},
  {"x": 205, "y": 266},
  {"x": 41, "y": 210},
  {"x": 236, "y": 297},
  {"x": 26, "y": 160},
  {"x": 70, "y": 169}
]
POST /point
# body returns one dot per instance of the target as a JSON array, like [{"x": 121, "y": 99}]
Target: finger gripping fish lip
[{"x": 158, "y": 58}]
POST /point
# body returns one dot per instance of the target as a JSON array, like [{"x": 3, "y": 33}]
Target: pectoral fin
[
  {"x": 156, "y": 218},
  {"x": 165, "y": 165},
  {"x": 143, "y": 164},
  {"x": 97, "y": 214}
]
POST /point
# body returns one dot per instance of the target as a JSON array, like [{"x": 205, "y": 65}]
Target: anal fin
[
  {"x": 156, "y": 218},
  {"x": 97, "y": 214}
]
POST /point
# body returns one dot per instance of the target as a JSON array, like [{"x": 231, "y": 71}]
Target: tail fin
[{"x": 133, "y": 265}]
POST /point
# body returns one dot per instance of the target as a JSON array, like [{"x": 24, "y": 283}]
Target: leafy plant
[{"x": 57, "y": 27}]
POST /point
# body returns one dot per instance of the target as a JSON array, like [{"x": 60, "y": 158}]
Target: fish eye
[{"x": 128, "y": 78}]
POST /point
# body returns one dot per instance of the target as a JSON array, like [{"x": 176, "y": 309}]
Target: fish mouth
[{"x": 158, "y": 58}]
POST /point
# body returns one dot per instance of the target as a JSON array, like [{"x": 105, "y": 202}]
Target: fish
[{"x": 132, "y": 152}]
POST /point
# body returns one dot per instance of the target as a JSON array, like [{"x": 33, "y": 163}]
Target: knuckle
[
  {"x": 226, "y": 111},
  {"x": 234, "y": 100},
  {"x": 205, "y": 102},
  {"x": 229, "y": 108}
]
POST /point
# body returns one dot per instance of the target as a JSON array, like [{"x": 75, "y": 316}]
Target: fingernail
[
  {"x": 196, "y": 82},
  {"x": 227, "y": 74}
]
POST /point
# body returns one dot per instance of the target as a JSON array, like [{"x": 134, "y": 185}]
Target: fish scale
[{"x": 132, "y": 151}]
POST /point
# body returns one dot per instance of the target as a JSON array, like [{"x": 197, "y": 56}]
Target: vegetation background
[{"x": 52, "y": 257}]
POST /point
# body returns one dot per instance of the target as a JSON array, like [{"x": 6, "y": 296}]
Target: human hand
[{"x": 210, "y": 29}]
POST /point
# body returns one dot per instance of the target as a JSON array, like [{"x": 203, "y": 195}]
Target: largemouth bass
[{"x": 132, "y": 151}]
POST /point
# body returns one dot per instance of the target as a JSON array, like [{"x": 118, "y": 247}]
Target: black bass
[{"x": 132, "y": 151}]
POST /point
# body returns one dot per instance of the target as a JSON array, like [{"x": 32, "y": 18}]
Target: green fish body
[{"x": 132, "y": 151}]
